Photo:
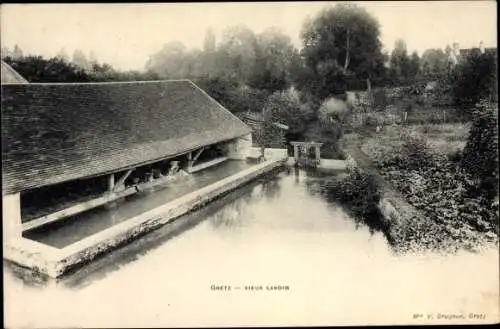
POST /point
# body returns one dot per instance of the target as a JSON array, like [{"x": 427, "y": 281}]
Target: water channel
[{"x": 273, "y": 252}]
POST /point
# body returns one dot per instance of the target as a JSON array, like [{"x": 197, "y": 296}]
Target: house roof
[
  {"x": 64, "y": 131},
  {"x": 255, "y": 118},
  {"x": 9, "y": 75},
  {"x": 464, "y": 52}
]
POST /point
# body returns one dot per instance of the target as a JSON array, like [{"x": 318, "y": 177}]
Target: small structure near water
[{"x": 307, "y": 154}]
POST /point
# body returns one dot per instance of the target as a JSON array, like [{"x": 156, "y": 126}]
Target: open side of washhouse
[{"x": 71, "y": 147}]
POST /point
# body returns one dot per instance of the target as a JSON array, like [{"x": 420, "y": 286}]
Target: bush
[
  {"x": 360, "y": 192},
  {"x": 480, "y": 155},
  {"x": 380, "y": 119},
  {"x": 379, "y": 99},
  {"x": 416, "y": 151}
]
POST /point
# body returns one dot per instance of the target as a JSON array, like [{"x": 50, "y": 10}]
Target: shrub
[
  {"x": 359, "y": 191},
  {"x": 379, "y": 99},
  {"x": 480, "y": 155},
  {"x": 416, "y": 152},
  {"x": 381, "y": 119}
]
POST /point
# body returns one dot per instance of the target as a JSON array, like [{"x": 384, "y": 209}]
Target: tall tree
[
  {"x": 340, "y": 42},
  {"x": 209, "y": 42},
  {"x": 169, "y": 62},
  {"x": 5, "y": 52},
  {"x": 414, "y": 66},
  {"x": 474, "y": 79},
  {"x": 400, "y": 63},
  {"x": 63, "y": 55},
  {"x": 434, "y": 64},
  {"x": 17, "y": 53},
  {"x": 80, "y": 60},
  {"x": 274, "y": 59},
  {"x": 237, "y": 53}
]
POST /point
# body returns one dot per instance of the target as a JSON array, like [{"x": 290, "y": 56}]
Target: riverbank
[
  {"x": 272, "y": 231},
  {"x": 425, "y": 206}
]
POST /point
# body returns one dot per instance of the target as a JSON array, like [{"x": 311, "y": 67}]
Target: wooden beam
[
  {"x": 198, "y": 154},
  {"x": 122, "y": 179},
  {"x": 76, "y": 209}
]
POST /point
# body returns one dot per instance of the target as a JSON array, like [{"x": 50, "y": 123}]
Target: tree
[
  {"x": 237, "y": 53},
  {"x": 400, "y": 63},
  {"x": 80, "y": 60},
  {"x": 339, "y": 42},
  {"x": 274, "y": 58},
  {"x": 434, "y": 64},
  {"x": 38, "y": 69},
  {"x": 332, "y": 115},
  {"x": 475, "y": 78},
  {"x": 63, "y": 55},
  {"x": 287, "y": 108},
  {"x": 92, "y": 58},
  {"x": 414, "y": 66},
  {"x": 169, "y": 62},
  {"x": 17, "y": 53},
  {"x": 267, "y": 132},
  {"x": 5, "y": 52},
  {"x": 480, "y": 155},
  {"x": 209, "y": 42}
]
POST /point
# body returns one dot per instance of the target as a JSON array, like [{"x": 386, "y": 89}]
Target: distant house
[
  {"x": 357, "y": 97},
  {"x": 10, "y": 76},
  {"x": 458, "y": 54}
]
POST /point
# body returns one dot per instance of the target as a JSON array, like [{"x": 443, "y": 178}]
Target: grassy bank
[{"x": 418, "y": 161}]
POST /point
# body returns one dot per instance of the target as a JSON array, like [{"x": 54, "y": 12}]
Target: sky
[{"x": 125, "y": 35}]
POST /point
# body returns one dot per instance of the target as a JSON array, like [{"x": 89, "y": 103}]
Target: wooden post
[
  {"x": 120, "y": 184},
  {"x": 111, "y": 182},
  {"x": 317, "y": 151},
  {"x": 11, "y": 217},
  {"x": 296, "y": 152},
  {"x": 190, "y": 162}
]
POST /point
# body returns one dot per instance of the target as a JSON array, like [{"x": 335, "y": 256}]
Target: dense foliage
[
  {"x": 475, "y": 78},
  {"x": 340, "y": 42},
  {"x": 436, "y": 186},
  {"x": 38, "y": 69},
  {"x": 480, "y": 155},
  {"x": 360, "y": 192}
]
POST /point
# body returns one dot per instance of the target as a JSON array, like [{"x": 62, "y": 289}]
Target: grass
[{"x": 445, "y": 138}]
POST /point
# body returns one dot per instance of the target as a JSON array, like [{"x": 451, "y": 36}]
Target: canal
[{"x": 273, "y": 252}]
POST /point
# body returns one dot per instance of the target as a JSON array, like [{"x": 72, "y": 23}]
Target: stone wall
[
  {"x": 271, "y": 153},
  {"x": 397, "y": 213}
]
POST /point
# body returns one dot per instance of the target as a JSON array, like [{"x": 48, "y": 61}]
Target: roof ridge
[
  {"x": 100, "y": 82},
  {"x": 16, "y": 74},
  {"x": 216, "y": 102}
]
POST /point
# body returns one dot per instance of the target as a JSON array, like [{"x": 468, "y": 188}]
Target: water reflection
[{"x": 278, "y": 230}]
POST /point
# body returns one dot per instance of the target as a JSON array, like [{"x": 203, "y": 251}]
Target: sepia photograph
[{"x": 236, "y": 164}]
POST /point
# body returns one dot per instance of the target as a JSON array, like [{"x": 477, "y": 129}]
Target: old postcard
[{"x": 250, "y": 164}]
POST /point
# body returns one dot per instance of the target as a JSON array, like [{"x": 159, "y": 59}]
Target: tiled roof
[
  {"x": 254, "y": 119},
  {"x": 9, "y": 75},
  {"x": 58, "y": 132}
]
